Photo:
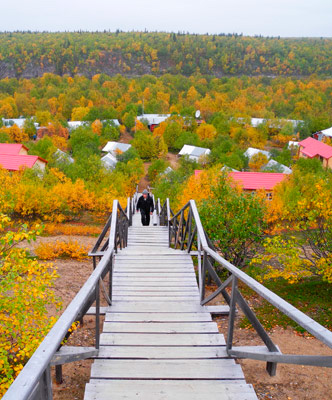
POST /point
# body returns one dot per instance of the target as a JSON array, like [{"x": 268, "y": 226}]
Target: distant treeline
[{"x": 31, "y": 54}]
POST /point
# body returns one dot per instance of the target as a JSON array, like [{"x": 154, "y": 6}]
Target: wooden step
[
  {"x": 180, "y": 307},
  {"x": 153, "y": 290},
  {"x": 161, "y": 327},
  {"x": 162, "y": 352},
  {"x": 158, "y": 342},
  {"x": 166, "y": 369},
  {"x": 161, "y": 339},
  {"x": 117, "y": 298},
  {"x": 158, "y": 317},
  {"x": 168, "y": 390}
]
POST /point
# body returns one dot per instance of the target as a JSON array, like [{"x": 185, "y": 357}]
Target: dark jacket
[{"x": 145, "y": 205}]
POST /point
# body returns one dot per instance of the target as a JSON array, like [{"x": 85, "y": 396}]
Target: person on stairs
[{"x": 146, "y": 206}]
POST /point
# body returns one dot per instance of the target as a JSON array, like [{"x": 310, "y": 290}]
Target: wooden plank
[
  {"x": 158, "y": 317},
  {"x": 154, "y": 263},
  {"x": 92, "y": 311},
  {"x": 178, "y": 275},
  {"x": 146, "y": 298},
  {"x": 169, "y": 390},
  {"x": 118, "y": 294},
  {"x": 161, "y": 327},
  {"x": 151, "y": 290},
  {"x": 157, "y": 280},
  {"x": 218, "y": 310},
  {"x": 152, "y": 283},
  {"x": 166, "y": 369},
  {"x": 169, "y": 253},
  {"x": 162, "y": 352},
  {"x": 152, "y": 270},
  {"x": 161, "y": 339},
  {"x": 180, "y": 307},
  {"x": 67, "y": 354}
]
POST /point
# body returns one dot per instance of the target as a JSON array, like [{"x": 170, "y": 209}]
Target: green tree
[
  {"x": 172, "y": 132},
  {"x": 156, "y": 168},
  {"x": 145, "y": 145},
  {"x": 234, "y": 221},
  {"x": 29, "y": 127},
  {"x": 44, "y": 148},
  {"x": 84, "y": 142}
]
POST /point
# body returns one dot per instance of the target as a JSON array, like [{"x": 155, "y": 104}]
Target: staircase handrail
[
  {"x": 185, "y": 232},
  {"x": 34, "y": 381}
]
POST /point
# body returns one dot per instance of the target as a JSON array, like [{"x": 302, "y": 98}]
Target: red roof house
[
  {"x": 15, "y": 162},
  {"x": 257, "y": 180},
  {"x": 252, "y": 181},
  {"x": 13, "y": 148},
  {"x": 312, "y": 148}
]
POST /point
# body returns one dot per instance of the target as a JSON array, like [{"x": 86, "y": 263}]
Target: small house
[
  {"x": 109, "y": 161},
  {"x": 63, "y": 157},
  {"x": 153, "y": 120},
  {"x": 114, "y": 122},
  {"x": 254, "y": 181},
  {"x": 252, "y": 151},
  {"x": 312, "y": 148},
  {"x": 228, "y": 169},
  {"x": 16, "y": 121},
  {"x": 15, "y": 162},
  {"x": 292, "y": 144},
  {"x": 323, "y": 134},
  {"x": 116, "y": 148},
  {"x": 193, "y": 152},
  {"x": 14, "y": 156},
  {"x": 72, "y": 125},
  {"x": 278, "y": 167},
  {"x": 13, "y": 149}
]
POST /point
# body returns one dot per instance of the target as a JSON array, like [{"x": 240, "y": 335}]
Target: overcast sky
[{"x": 250, "y": 17}]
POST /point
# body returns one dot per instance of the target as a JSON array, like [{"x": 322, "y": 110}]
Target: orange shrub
[
  {"x": 199, "y": 187},
  {"x": 71, "y": 230},
  {"x": 61, "y": 249}
]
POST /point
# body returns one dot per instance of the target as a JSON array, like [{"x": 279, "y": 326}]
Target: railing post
[
  {"x": 232, "y": 310},
  {"x": 97, "y": 333},
  {"x": 110, "y": 279},
  {"x": 45, "y": 385},
  {"x": 199, "y": 268},
  {"x": 202, "y": 291},
  {"x": 128, "y": 208},
  {"x": 58, "y": 374},
  {"x": 190, "y": 216}
]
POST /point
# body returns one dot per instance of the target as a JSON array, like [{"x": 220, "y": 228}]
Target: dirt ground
[
  {"x": 292, "y": 382},
  {"x": 173, "y": 160},
  {"x": 125, "y": 137}
]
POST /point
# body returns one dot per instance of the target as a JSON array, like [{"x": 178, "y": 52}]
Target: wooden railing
[
  {"x": 187, "y": 233},
  {"x": 34, "y": 381}
]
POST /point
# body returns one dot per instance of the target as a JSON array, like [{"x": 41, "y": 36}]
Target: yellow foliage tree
[
  {"x": 206, "y": 131},
  {"x": 302, "y": 204},
  {"x": 159, "y": 131},
  {"x": 97, "y": 127},
  {"x": 257, "y": 161},
  {"x": 25, "y": 293},
  {"x": 78, "y": 113},
  {"x": 198, "y": 186},
  {"x": 17, "y": 135}
]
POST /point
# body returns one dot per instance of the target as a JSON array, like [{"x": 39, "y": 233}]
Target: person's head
[{"x": 145, "y": 193}]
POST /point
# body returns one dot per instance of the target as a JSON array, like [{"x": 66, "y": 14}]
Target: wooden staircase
[{"x": 158, "y": 342}]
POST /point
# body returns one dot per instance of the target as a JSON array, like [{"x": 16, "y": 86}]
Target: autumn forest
[{"x": 50, "y": 79}]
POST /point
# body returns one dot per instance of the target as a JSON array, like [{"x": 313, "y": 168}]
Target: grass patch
[{"x": 311, "y": 296}]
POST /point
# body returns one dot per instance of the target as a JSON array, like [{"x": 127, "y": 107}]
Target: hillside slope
[{"x": 28, "y": 55}]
